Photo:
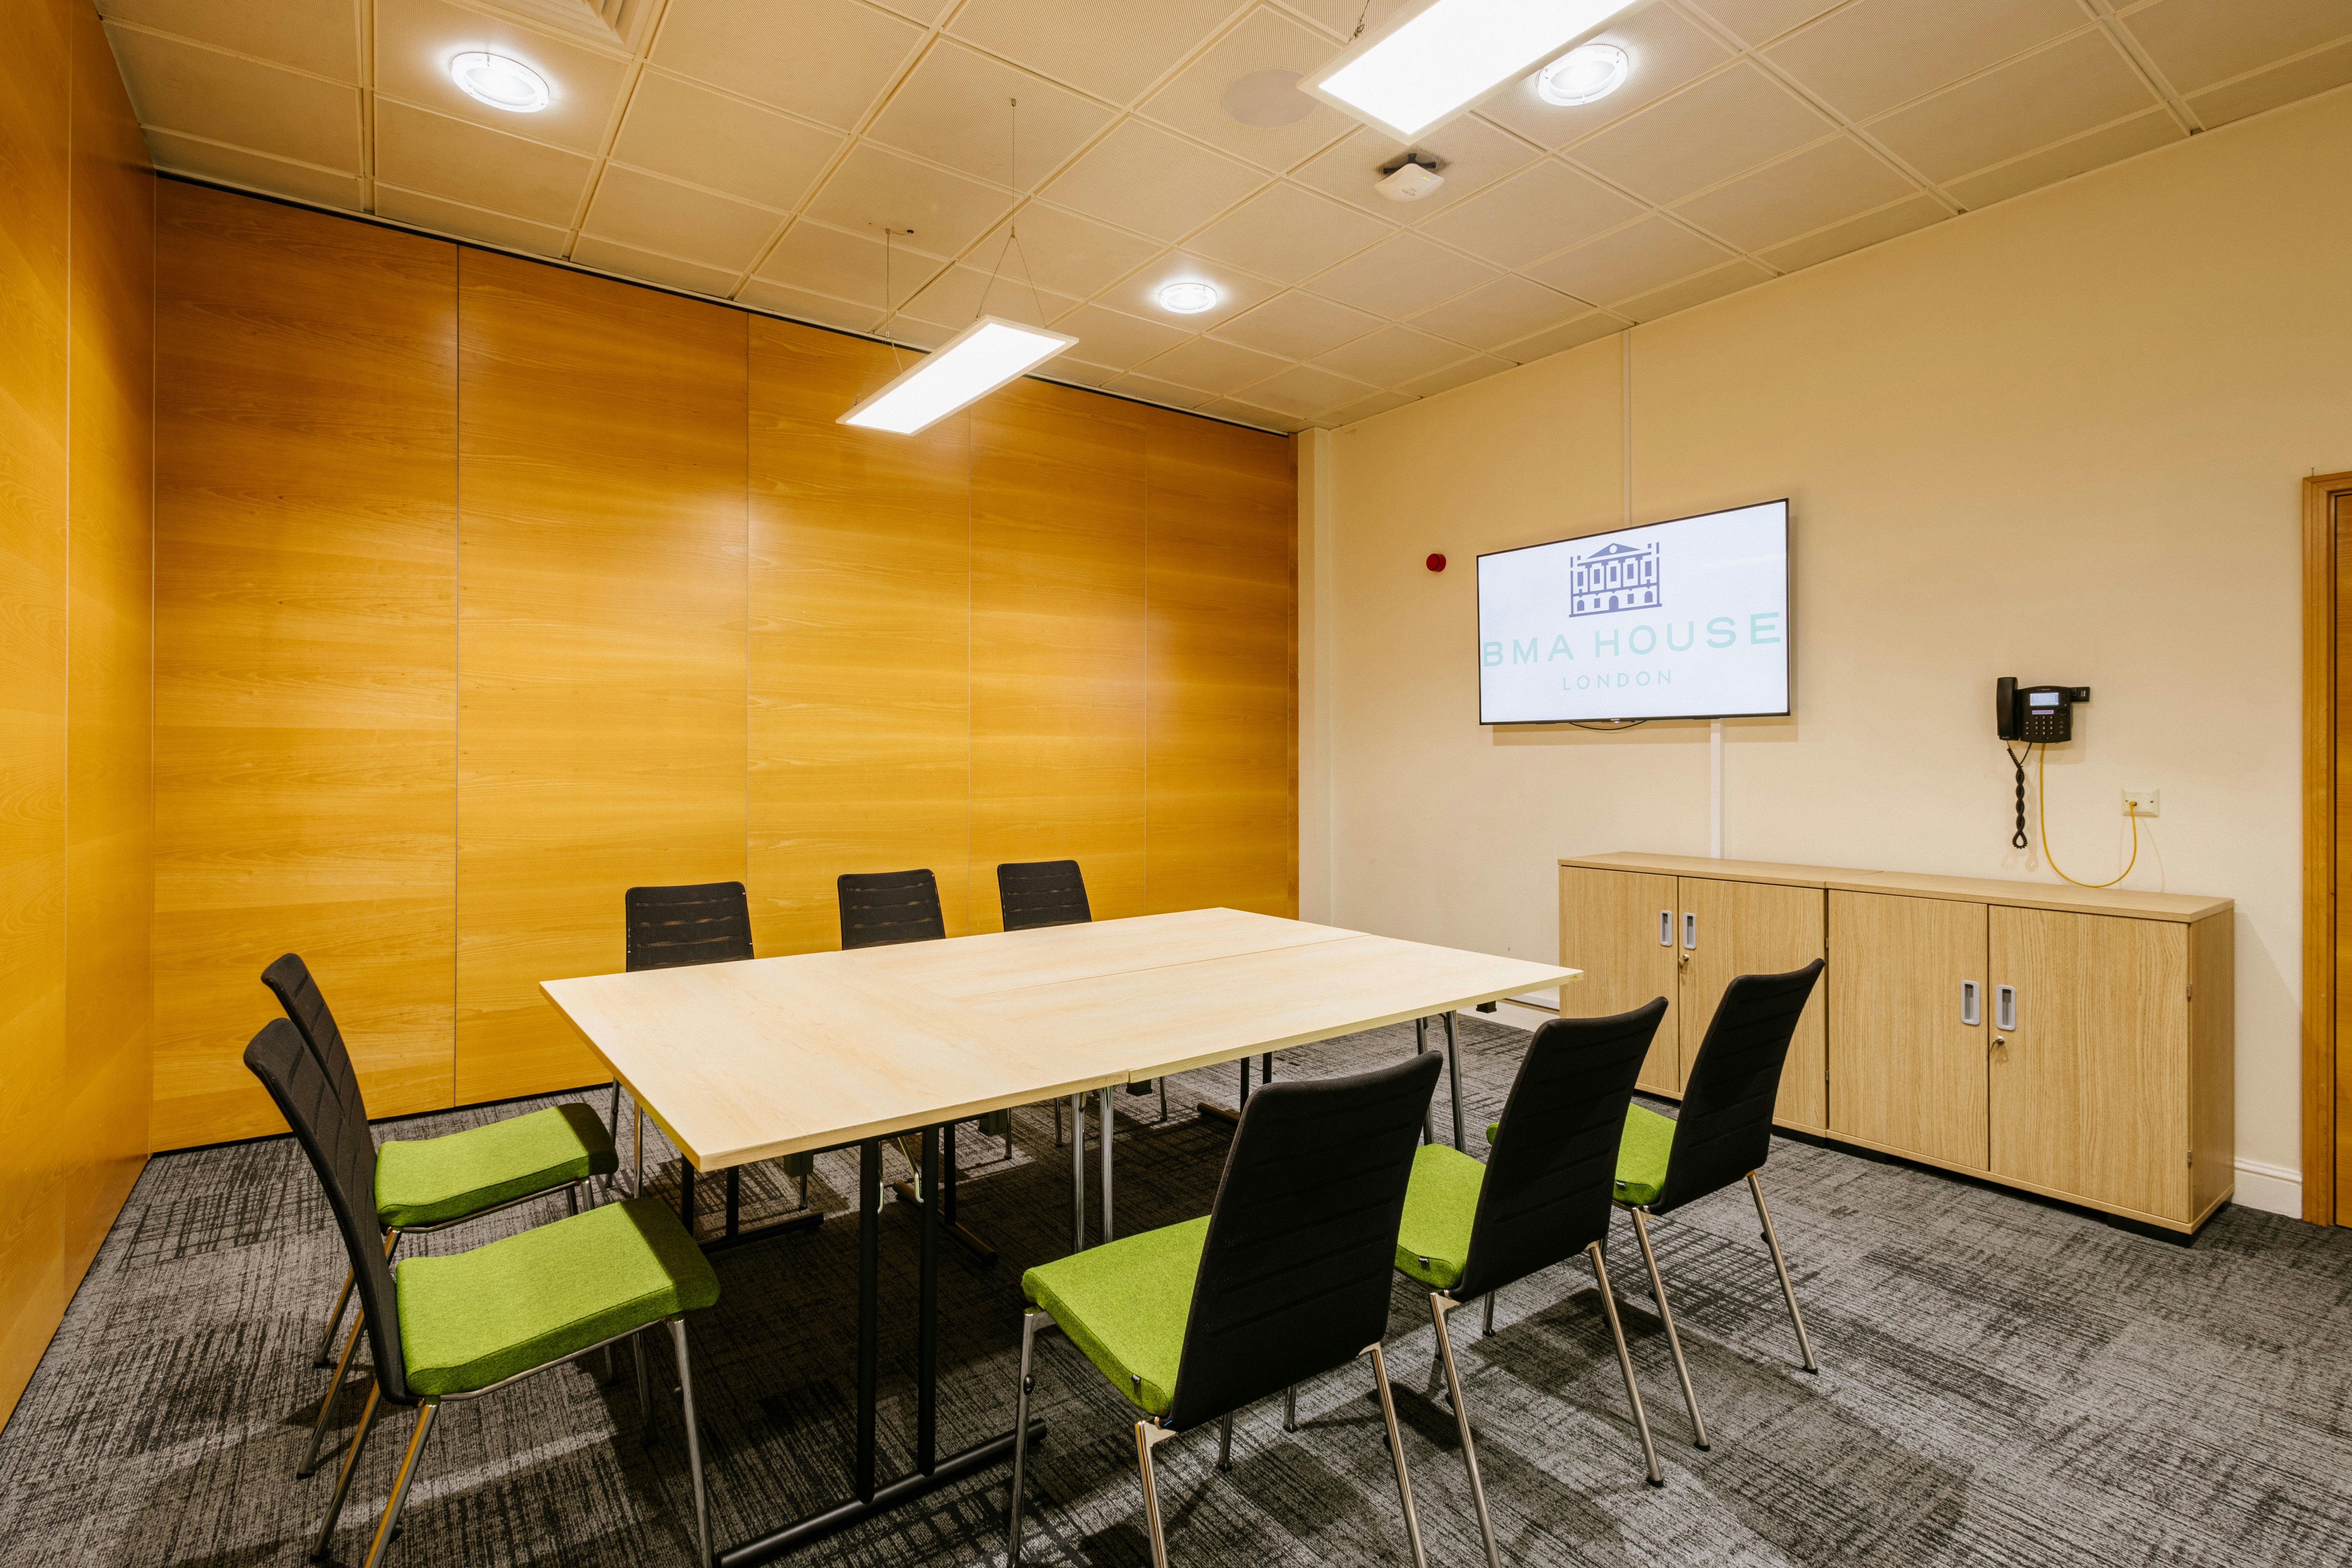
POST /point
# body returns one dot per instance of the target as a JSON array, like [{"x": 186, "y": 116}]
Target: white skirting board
[{"x": 2273, "y": 1189}]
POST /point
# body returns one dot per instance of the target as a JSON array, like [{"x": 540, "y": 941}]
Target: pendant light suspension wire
[
  {"x": 1012, "y": 226},
  {"x": 897, "y": 362}
]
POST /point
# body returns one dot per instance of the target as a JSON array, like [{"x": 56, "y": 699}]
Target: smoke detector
[{"x": 1409, "y": 178}]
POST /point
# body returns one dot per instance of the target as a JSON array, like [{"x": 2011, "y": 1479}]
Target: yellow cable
[{"x": 2042, "y": 813}]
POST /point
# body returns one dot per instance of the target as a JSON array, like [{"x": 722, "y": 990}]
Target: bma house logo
[{"x": 1618, "y": 577}]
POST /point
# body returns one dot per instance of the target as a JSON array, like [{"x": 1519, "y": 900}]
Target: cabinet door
[
  {"x": 1756, "y": 928},
  {"x": 2090, "y": 1092},
  {"x": 1608, "y": 928},
  {"x": 1906, "y": 1072}
]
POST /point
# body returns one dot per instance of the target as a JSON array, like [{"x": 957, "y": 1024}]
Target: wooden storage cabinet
[{"x": 2073, "y": 1042}]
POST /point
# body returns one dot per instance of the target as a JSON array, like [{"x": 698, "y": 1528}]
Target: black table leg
[
  {"x": 981, "y": 1252},
  {"x": 734, "y": 1200},
  {"x": 927, "y": 1315},
  {"x": 870, "y": 1251},
  {"x": 947, "y": 1156},
  {"x": 686, "y": 1194},
  {"x": 1233, "y": 1118}
]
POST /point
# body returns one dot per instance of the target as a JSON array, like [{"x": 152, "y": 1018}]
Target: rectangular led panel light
[
  {"x": 975, "y": 362},
  {"x": 1441, "y": 59}
]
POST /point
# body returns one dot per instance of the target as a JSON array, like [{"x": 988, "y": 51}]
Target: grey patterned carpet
[{"x": 2004, "y": 1383}]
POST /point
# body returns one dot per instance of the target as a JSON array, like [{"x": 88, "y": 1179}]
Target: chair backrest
[
  {"x": 1725, "y": 1127},
  {"x": 289, "y": 980},
  {"x": 885, "y": 907},
  {"x": 1550, "y": 1181},
  {"x": 1041, "y": 893},
  {"x": 700, "y": 922},
  {"x": 1295, "y": 1271},
  {"x": 335, "y": 1138}
]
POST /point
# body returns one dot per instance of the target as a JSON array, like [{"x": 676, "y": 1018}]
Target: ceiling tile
[
  {"x": 1878, "y": 53},
  {"x": 1809, "y": 190},
  {"x": 2196, "y": 43},
  {"x": 922, "y": 334},
  {"x": 415, "y": 40},
  {"x": 1757, "y": 21},
  {"x": 827, "y": 59},
  {"x": 1250, "y": 414},
  {"x": 1477, "y": 367},
  {"x": 1667, "y": 50},
  {"x": 1379, "y": 403},
  {"x": 847, "y": 266},
  {"x": 1265, "y": 41},
  {"x": 802, "y": 306},
  {"x": 1400, "y": 275},
  {"x": 1567, "y": 335},
  {"x": 687, "y": 131},
  {"x": 464, "y": 163},
  {"x": 954, "y": 109},
  {"x": 1237, "y": 291},
  {"x": 2155, "y": 128},
  {"x": 1305, "y": 391},
  {"x": 1495, "y": 313},
  {"x": 1115, "y": 338},
  {"x": 1634, "y": 260},
  {"x": 1546, "y": 208},
  {"x": 1217, "y": 367},
  {"x": 1705, "y": 133},
  {"x": 1144, "y": 178},
  {"x": 1728, "y": 279},
  {"x": 1064, "y": 251},
  {"x": 1392, "y": 355},
  {"x": 1856, "y": 234},
  {"x": 628, "y": 261},
  {"x": 179, "y": 87},
  {"x": 1151, "y": 389},
  {"x": 1297, "y": 326},
  {"x": 876, "y": 188},
  {"x": 926, "y": 12},
  {"x": 1471, "y": 153},
  {"x": 1112, "y": 51},
  {"x": 468, "y": 223},
  {"x": 1063, "y": 368},
  {"x": 1286, "y": 232},
  {"x": 234, "y": 165},
  {"x": 2029, "y": 103},
  {"x": 322, "y": 39},
  {"x": 2267, "y": 89},
  {"x": 654, "y": 214},
  {"x": 959, "y": 294}
]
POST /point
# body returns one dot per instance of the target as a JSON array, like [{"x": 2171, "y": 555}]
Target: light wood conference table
[{"x": 747, "y": 1061}]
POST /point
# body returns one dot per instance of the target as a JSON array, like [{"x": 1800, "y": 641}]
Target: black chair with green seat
[
  {"x": 425, "y": 1184},
  {"x": 1287, "y": 1279},
  {"x": 455, "y": 1328},
  {"x": 1543, "y": 1196},
  {"x": 1723, "y": 1134},
  {"x": 1038, "y": 893}
]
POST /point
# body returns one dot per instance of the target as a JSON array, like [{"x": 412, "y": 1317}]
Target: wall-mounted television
[{"x": 1687, "y": 619}]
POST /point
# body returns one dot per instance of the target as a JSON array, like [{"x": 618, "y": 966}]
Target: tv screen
[{"x": 1687, "y": 619}]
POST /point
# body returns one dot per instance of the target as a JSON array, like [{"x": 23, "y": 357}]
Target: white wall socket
[{"x": 2143, "y": 802}]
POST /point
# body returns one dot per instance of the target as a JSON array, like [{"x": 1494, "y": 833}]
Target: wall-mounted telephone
[{"x": 2037, "y": 715}]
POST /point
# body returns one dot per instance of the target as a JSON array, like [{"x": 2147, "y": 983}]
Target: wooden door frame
[{"x": 2319, "y": 787}]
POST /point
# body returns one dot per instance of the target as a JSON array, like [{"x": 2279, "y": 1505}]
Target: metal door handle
[
  {"x": 1666, "y": 928},
  {"x": 1971, "y": 1003},
  {"x": 1690, "y": 928},
  {"x": 2004, "y": 1006}
]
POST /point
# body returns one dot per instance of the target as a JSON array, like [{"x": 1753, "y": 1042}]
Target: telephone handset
[{"x": 2038, "y": 715}]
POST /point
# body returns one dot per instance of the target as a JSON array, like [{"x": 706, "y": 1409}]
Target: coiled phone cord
[
  {"x": 2041, "y": 804},
  {"x": 2017, "y": 841}
]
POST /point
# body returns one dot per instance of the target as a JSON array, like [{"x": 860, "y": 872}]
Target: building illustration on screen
[{"x": 1619, "y": 576}]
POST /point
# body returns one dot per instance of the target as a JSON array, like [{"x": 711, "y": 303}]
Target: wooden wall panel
[
  {"x": 602, "y": 681},
  {"x": 1059, "y": 666},
  {"x": 861, "y": 640},
  {"x": 1221, "y": 581},
  {"x": 306, "y": 535}
]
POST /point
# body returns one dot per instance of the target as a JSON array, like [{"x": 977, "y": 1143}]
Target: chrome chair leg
[
  {"x": 1658, "y": 1478},
  {"x": 1486, "y": 1328},
  {"x": 693, "y": 1443},
  {"x": 1439, "y": 1305},
  {"x": 1788, "y": 1289},
  {"x": 637, "y": 1127},
  {"x": 1103, "y": 1137},
  {"x": 1149, "y": 1435},
  {"x": 1163, "y": 1097},
  {"x": 612, "y": 1121},
  {"x": 1031, "y": 1321},
  {"x": 323, "y": 1357},
  {"x": 1396, "y": 1452},
  {"x": 350, "y": 1464},
  {"x": 330, "y": 1399},
  {"x": 400, "y": 1484},
  {"x": 1225, "y": 1442},
  {"x": 645, "y": 1388},
  {"x": 1077, "y": 1170},
  {"x": 1666, "y": 1316},
  {"x": 1057, "y": 1124},
  {"x": 572, "y": 1199},
  {"x": 1290, "y": 1408}
]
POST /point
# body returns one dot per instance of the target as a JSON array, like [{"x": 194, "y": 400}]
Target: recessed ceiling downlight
[
  {"x": 499, "y": 82},
  {"x": 1584, "y": 76},
  {"x": 1187, "y": 299}
]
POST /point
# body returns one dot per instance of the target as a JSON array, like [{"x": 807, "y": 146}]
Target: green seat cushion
[
  {"x": 1125, "y": 1303},
  {"x": 1642, "y": 1155},
  {"x": 430, "y": 1180},
  {"x": 1434, "y": 1241},
  {"x": 473, "y": 1319}
]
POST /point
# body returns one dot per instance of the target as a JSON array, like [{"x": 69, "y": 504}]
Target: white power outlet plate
[{"x": 2143, "y": 802}]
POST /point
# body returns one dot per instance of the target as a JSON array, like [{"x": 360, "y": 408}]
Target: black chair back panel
[
  {"x": 1041, "y": 893},
  {"x": 290, "y": 981},
  {"x": 700, "y": 922},
  {"x": 1550, "y": 1179},
  {"x": 1725, "y": 1127},
  {"x": 335, "y": 1138},
  {"x": 1295, "y": 1270},
  {"x": 882, "y": 908}
]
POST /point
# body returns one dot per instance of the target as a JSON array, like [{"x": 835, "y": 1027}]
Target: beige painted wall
[{"x": 2063, "y": 438}]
